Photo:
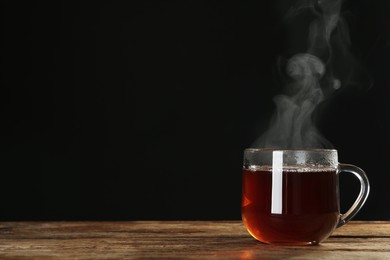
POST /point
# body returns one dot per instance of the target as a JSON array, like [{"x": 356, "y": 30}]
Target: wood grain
[{"x": 178, "y": 240}]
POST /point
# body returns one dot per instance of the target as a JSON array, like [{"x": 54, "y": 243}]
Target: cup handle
[{"x": 364, "y": 191}]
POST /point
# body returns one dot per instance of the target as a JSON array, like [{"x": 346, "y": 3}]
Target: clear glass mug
[{"x": 292, "y": 196}]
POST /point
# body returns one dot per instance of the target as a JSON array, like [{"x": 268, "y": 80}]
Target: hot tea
[{"x": 302, "y": 209}]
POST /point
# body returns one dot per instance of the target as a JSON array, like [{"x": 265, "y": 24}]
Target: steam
[{"x": 311, "y": 81}]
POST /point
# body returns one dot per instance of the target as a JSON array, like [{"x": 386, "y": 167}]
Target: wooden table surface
[{"x": 179, "y": 239}]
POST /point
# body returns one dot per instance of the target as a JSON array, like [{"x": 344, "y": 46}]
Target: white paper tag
[{"x": 277, "y": 182}]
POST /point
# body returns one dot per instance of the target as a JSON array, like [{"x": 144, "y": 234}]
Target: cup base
[{"x": 290, "y": 243}]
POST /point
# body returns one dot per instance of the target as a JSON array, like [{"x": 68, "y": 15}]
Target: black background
[{"x": 141, "y": 110}]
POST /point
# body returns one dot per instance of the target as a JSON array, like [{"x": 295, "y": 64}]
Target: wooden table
[{"x": 179, "y": 239}]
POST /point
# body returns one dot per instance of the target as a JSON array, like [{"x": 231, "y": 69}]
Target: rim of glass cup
[
  {"x": 260, "y": 157},
  {"x": 290, "y": 149}
]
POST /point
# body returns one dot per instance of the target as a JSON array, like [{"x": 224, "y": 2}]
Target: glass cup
[{"x": 292, "y": 196}]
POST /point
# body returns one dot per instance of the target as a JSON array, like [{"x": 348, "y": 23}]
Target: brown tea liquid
[{"x": 309, "y": 209}]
